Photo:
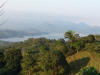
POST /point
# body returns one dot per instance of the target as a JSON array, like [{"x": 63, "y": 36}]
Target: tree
[
  {"x": 12, "y": 59},
  {"x": 61, "y": 46},
  {"x": 89, "y": 71},
  {"x": 1, "y": 59},
  {"x": 72, "y": 36},
  {"x": 77, "y": 46},
  {"x": 55, "y": 62},
  {"x": 29, "y": 64},
  {"x": 91, "y": 38}
]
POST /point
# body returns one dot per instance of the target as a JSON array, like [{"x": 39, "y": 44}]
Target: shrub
[{"x": 89, "y": 71}]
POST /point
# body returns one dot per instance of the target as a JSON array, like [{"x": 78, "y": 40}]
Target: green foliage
[
  {"x": 91, "y": 38},
  {"x": 71, "y": 35},
  {"x": 55, "y": 61},
  {"x": 12, "y": 59},
  {"x": 74, "y": 43},
  {"x": 1, "y": 59},
  {"x": 43, "y": 56},
  {"x": 89, "y": 71},
  {"x": 77, "y": 46},
  {"x": 87, "y": 39},
  {"x": 94, "y": 47},
  {"x": 61, "y": 46},
  {"x": 29, "y": 64},
  {"x": 97, "y": 37},
  {"x": 4, "y": 71}
]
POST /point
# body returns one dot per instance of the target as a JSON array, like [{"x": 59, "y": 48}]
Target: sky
[{"x": 87, "y": 11}]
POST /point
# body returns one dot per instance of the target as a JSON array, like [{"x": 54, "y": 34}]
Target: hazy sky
[{"x": 87, "y": 11}]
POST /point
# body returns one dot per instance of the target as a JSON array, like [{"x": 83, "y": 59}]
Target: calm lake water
[{"x": 48, "y": 36}]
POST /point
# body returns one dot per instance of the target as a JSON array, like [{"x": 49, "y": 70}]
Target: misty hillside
[
  {"x": 64, "y": 26},
  {"x": 16, "y": 33},
  {"x": 49, "y": 27},
  {"x": 45, "y": 23}
]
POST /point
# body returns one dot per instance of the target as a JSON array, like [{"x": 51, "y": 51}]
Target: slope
[{"x": 83, "y": 59}]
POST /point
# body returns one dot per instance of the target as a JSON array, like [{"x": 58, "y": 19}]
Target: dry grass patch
[{"x": 83, "y": 59}]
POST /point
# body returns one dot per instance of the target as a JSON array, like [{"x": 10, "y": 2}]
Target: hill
[
  {"x": 83, "y": 59},
  {"x": 4, "y": 43},
  {"x": 16, "y": 33},
  {"x": 41, "y": 56},
  {"x": 47, "y": 23},
  {"x": 62, "y": 26}
]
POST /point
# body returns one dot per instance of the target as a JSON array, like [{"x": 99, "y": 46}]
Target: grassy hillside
[{"x": 83, "y": 59}]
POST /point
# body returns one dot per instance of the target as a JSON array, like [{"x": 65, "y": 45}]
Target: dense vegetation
[{"x": 48, "y": 57}]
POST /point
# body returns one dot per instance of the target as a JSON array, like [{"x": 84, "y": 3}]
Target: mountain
[
  {"x": 21, "y": 33},
  {"x": 63, "y": 26},
  {"x": 32, "y": 22},
  {"x": 50, "y": 27}
]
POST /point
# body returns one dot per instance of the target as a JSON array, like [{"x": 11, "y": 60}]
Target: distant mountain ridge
[
  {"x": 15, "y": 33},
  {"x": 65, "y": 26},
  {"x": 50, "y": 27},
  {"x": 39, "y": 22}
]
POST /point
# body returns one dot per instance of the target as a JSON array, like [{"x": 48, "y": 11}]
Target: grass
[{"x": 83, "y": 59}]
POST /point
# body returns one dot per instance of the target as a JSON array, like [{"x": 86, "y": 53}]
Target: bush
[
  {"x": 93, "y": 47},
  {"x": 89, "y": 71}
]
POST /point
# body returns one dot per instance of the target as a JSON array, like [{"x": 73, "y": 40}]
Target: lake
[{"x": 48, "y": 36}]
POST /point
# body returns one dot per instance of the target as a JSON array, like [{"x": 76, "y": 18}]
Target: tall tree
[
  {"x": 55, "y": 62},
  {"x": 1, "y": 59},
  {"x": 29, "y": 64},
  {"x": 72, "y": 36},
  {"x": 12, "y": 58}
]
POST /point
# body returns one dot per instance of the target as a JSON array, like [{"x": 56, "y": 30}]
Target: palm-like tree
[{"x": 71, "y": 35}]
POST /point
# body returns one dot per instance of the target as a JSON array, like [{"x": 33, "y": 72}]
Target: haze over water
[{"x": 48, "y": 36}]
